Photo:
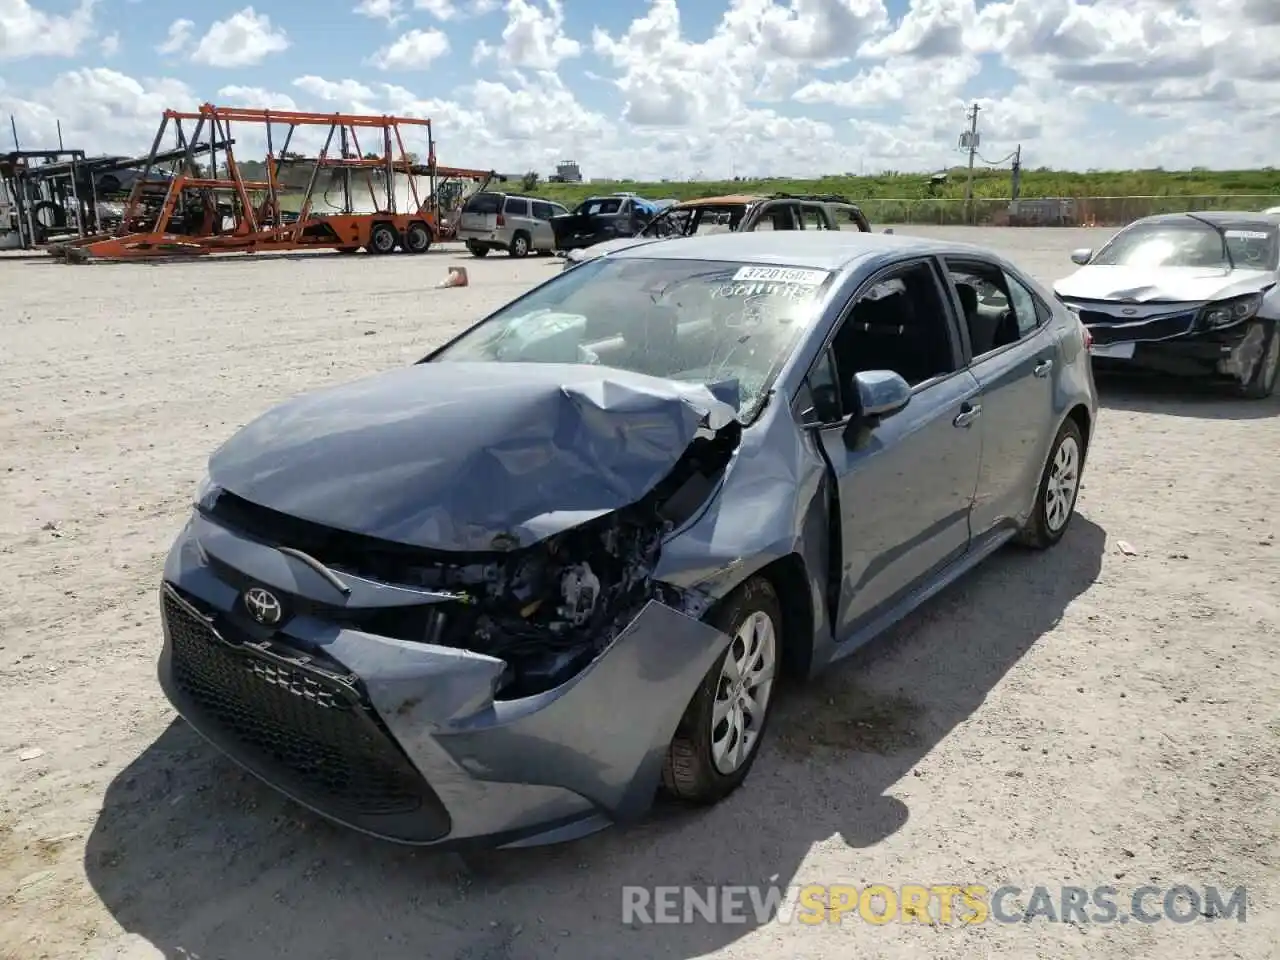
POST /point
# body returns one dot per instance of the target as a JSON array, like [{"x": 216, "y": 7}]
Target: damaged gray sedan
[{"x": 503, "y": 595}]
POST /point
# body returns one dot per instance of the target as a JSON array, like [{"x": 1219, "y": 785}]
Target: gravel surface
[{"x": 1104, "y": 713}]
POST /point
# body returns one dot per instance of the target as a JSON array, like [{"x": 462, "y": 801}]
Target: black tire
[
  {"x": 382, "y": 239},
  {"x": 348, "y": 249},
  {"x": 477, "y": 250},
  {"x": 49, "y": 215},
  {"x": 108, "y": 183},
  {"x": 1262, "y": 381},
  {"x": 689, "y": 771},
  {"x": 417, "y": 239},
  {"x": 519, "y": 245},
  {"x": 1040, "y": 533}
]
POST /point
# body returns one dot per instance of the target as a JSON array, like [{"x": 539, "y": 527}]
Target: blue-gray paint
[{"x": 923, "y": 491}]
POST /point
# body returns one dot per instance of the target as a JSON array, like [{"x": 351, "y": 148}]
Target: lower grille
[
  {"x": 299, "y": 727},
  {"x": 1106, "y": 328}
]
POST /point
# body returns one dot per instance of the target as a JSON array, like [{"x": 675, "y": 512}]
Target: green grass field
[{"x": 987, "y": 184}]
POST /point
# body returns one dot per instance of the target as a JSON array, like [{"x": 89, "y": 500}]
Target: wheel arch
[{"x": 789, "y": 577}]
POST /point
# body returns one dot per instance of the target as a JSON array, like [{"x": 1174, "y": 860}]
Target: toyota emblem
[
  {"x": 263, "y": 606},
  {"x": 1129, "y": 311}
]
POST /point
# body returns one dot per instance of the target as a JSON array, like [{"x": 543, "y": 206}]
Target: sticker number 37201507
[{"x": 806, "y": 278}]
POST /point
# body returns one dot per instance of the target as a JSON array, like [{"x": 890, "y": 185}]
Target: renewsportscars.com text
[{"x": 879, "y": 904}]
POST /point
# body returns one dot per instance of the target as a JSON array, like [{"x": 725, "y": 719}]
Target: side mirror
[
  {"x": 878, "y": 394},
  {"x": 1082, "y": 256}
]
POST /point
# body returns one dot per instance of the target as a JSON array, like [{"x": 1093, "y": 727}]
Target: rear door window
[
  {"x": 484, "y": 203},
  {"x": 813, "y": 217},
  {"x": 543, "y": 211},
  {"x": 516, "y": 207}
]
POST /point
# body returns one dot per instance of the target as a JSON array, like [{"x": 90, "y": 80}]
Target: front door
[{"x": 905, "y": 487}]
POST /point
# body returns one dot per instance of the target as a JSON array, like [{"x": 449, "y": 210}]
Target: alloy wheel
[
  {"x": 1064, "y": 481},
  {"x": 742, "y": 694}
]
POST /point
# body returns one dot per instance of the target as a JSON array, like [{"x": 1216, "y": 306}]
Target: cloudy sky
[{"x": 648, "y": 88}]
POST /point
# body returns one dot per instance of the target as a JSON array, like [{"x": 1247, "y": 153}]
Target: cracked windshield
[{"x": 724, "y": 324}]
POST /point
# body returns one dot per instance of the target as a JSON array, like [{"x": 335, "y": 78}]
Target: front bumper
[
  {"x": 406, "y": 741},
  {"x": 1230, "y": 354}
]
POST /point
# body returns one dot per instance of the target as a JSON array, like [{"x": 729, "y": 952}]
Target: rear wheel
[
  {"x": 520, "y": 245},
  {"x": 476, "y": 250},
  {"x": 417, "y": 239},
  {"x": 720, "y": 733},
  {"x": 1059, "y": 487},
  {"x": 1262, "y": 381},
  {"x": 382, "y": 238}
]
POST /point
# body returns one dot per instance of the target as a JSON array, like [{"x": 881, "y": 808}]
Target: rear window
[
  {"x": 516, "y": 207},
  {"x": 484, "y": 203}
]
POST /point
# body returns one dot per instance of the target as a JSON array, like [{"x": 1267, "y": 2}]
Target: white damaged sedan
[{"x": 1188, "y": 294}]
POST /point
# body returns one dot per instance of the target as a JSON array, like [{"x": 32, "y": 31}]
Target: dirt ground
[{"x": 1094, "y": 715}]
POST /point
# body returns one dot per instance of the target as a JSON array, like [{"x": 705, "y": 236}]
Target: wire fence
[{"x": 1053, "y": 211}]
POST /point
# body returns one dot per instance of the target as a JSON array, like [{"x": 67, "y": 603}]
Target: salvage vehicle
[
  {"x": 597, "y": 219},
  {"x": 503, "y": 595},
  {"x": 739, "y": 213},
  {"x": 1185, "y": 294}
]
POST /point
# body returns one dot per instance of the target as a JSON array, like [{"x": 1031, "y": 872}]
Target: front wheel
[
  {"x": 720, "y": 733},
  {"x": 519, "y": 245},
  {"x": 1059, "y": 487},
  {"x": 476, "y": 249},
  {"x": 1262, "y": 380}
]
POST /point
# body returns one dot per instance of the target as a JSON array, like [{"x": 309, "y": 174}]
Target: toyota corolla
[{"x": 505, "y": 594}]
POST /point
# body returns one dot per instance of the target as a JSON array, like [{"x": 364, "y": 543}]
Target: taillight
[{"x": 502, "y": 221}]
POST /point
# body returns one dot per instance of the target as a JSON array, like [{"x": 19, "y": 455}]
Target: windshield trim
[{"x": 749, "y": 413}]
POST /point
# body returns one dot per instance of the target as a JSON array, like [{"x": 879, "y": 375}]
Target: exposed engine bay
[{"x": 548, "y": 609}]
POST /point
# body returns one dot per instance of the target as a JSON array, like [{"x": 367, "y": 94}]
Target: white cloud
[
  {"x": 533, "y": 39},
  {"x": 109, "y": 45},
  {"x": 388, "y": 10},
  {"x": 178, "y": 37},
  {"x": 440, "y": 9},
  {"x": 243, "y": 39},
  {"x": 26, "y": 31},
  {"x": 415, "y": 50}
]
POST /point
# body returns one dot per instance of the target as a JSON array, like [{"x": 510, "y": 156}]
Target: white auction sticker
[
  {"x": 1248, "y": 234},
  {"x": 808, "y": 278}
]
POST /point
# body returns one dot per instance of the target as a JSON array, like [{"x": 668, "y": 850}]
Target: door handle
[
  {"x": 968, "y": 413},
  {"x": 1042, "y": 368}
]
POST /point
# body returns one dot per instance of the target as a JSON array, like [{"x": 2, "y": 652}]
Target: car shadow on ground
[
  {"x": 201, "y": 860},
  {"x": 1179, "y": 397}
]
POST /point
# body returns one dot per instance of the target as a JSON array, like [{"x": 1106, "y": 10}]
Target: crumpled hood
[
  {"x": 453, "y": 455},
  {"x": 1173, "y": 284}
]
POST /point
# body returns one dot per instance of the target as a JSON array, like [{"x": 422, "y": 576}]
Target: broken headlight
[
  {"x": 1224, "y": 313},
  {"x": 206, "y": 492}
]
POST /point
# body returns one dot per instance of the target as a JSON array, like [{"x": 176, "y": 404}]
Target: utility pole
[
  {"x": 970, "y": 139},
  {"x": 1017, "y": 173}
]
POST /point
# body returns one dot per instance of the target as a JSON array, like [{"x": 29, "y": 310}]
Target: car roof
[
  {"x": 726, "y": 199},
  {"x": 1218, "y": 217},
  {"x": 813, "y": 249}
]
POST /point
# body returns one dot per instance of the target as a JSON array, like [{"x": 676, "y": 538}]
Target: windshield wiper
[{"x": 1222, "y": 235}]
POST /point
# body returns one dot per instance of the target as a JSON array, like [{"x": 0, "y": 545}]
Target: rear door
[
  {"x": 481, "y": 212},
  {"x": 1012, "y": 352}
]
